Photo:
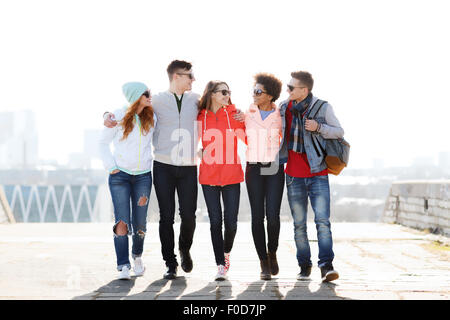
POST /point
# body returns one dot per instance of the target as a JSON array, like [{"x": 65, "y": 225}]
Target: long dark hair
[{"x": 205, "y": 100}]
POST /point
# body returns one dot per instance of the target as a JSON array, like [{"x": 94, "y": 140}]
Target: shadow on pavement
[
  {"x": 215, "y": 290},
  {"x": 114, "y": 289},
  {"x": 301, "y": 291},
  {"x": 153, "y": 291},
  {"x": 119, "y": 289},
  {"x": 255, "y": 291}
]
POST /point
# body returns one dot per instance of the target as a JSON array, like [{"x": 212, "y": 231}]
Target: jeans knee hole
[
  {"x": 142, "y": 201},
  {"x": 121, "y": 224}
]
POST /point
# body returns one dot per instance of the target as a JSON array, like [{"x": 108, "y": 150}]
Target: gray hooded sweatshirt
[{"x": 175, "y": 138}]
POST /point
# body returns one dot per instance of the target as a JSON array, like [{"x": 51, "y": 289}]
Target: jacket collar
[
  {"x": 253, "y": 107},
  {"x": 283, "y": 104},
  {"x": 256, "y": 115},
  {"x": 229, "y": 108}
]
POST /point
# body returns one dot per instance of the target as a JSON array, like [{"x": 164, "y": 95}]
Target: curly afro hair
[{"x": 271, "y": 84}]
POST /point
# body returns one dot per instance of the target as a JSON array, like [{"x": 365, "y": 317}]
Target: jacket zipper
[{"x": 139, "y": 147}]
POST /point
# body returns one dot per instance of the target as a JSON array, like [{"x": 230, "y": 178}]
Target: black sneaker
[
  {"x": 171, "y": 273},
  {"x": 305, "y": 272},
  {"x": 186, "y": 260},
  {"x": 328, "y": 273}
]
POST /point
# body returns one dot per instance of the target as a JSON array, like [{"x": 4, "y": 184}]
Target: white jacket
[{"x": 132, "y": 155}]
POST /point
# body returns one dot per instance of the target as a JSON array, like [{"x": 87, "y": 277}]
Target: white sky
[{"x": 383, "y": 65}]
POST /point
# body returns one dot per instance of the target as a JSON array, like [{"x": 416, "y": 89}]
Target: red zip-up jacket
[{"x": 218, "y": 131}]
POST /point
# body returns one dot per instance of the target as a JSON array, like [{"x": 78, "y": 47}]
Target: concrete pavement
[{"x": 77, "y": 261}]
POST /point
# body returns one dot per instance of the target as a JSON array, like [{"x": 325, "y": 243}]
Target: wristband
[{"x": 319, "y": 125}]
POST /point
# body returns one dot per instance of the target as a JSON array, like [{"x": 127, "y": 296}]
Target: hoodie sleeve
[{"x": 106, "y": 137}]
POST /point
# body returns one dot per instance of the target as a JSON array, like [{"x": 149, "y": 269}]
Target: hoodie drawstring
[{"x": 228, "y": 118}]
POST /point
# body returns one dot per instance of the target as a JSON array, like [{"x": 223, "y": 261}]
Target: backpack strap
[{"x": 318, "y": 103}]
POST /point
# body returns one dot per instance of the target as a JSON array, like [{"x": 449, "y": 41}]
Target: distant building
[
  {"x": 423, "y": 161},
  {"x": 18, "y": 140},
  {"x": 444, "y": 160},
  {"x": 378, "y": 164},
  {"x": 79, "y": 160}
]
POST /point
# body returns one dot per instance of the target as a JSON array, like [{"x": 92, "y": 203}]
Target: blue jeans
[
  {"x": 230, "y": 195},
  {"x": 130, "y": 195},
  {"x": 318, "y": 190}
]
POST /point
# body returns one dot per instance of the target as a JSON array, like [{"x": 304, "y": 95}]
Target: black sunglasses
[
  {"x": 258, "y": 92},
  {"x": 190, "y": 74},
  {"x": 147, "y": 94},
  {"x": 291, "y": 88},
  {"x": 224, "y": 92}
]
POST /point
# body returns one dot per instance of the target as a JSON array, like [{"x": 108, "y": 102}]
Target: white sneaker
[
  {"x": 221, "y": 273},
  {"x": 139, "y": 267},
  {"x": 124, "y": 274}
]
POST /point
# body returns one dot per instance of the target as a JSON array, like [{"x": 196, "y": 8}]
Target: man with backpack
[{"x": 309, "y": 121}]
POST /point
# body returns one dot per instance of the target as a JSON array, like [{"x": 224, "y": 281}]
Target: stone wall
[{"x": 420, "y": 204}]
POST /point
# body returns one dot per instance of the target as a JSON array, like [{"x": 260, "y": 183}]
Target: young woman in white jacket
[{"x": 130, "y": 179}]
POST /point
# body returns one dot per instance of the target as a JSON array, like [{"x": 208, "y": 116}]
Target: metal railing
[{"x": 58, "y": 203}]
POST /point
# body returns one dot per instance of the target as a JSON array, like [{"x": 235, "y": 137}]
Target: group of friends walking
[{"x": 156, "y": 139}]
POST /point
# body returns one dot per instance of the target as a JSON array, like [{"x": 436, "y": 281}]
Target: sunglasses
[
  {"x": 147, "y": 94},
  {"x": 258, "y": 92},
  {"x": 224, "y": 92},
  {"x": 190, "y": 74},
  {"x": 291, "y": 88}
]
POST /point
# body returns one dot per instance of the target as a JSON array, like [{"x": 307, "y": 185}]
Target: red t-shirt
[{"x": 297, "y": 164}]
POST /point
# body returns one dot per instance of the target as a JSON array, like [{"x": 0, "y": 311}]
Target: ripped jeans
[{"x": 130, "y": 195}]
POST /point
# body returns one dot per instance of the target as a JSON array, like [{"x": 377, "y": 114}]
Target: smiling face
[
  {"x": 260, "y": 95},
  {"x": 221, "y": 95},
  {"x": 146, "y": 99},
  {"x": 297, "y": 91},
  {"x": 183, "y": 79}
]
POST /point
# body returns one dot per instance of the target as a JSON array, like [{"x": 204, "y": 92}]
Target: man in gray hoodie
[{"x": 175, "y": 164}]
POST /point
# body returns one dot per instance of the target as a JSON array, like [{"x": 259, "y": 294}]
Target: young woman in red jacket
[{"x": 220, "y": 172}]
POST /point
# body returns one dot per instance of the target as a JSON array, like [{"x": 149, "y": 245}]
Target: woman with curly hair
[
  {"x": 264, "y": 175},
  {"x": 130, "y": 178}
]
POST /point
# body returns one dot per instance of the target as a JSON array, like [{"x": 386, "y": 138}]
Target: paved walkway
[{"x": 77, "y": 261}]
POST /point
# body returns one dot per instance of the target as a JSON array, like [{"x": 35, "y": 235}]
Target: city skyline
[
  {"x": 385, "y": 77},
  {"x": 13, "y": 154}
]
